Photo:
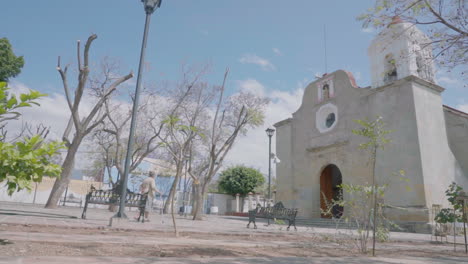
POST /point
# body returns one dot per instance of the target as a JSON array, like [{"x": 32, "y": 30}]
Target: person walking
[{"x": 149, "y": 186}]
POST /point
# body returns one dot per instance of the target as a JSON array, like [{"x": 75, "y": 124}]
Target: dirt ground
[{"x": 211, "y": 244}]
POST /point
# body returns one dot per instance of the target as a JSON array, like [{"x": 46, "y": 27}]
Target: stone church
[{"x": 318, "y": 151}]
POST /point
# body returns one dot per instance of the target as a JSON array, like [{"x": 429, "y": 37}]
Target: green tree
[
  {"x": 9, "y": 104},
  {"x": 448, "y": 215},
  {"x": 359, "y": 207},
  {"x": 24, "y": 161},
  {"x": 240, "y": 179},
  {"x": 364, "y": 202},
  {"x": 375, "y": 135},
  {"x": 443, "y": 20},
  {"x": 10, "y": 65},
  {"x": 27, "y": 161}
]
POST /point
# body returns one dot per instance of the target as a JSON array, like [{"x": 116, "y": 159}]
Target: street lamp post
[
  {"x": 150, "y": 6},
  {"x": 270, "y": 132}
]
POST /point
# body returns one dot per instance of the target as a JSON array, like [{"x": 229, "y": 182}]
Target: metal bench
[
  {"x": 278, "y": 211},
  {"x": 109, "y": 197},
  {"x": 71, "y": 200}
]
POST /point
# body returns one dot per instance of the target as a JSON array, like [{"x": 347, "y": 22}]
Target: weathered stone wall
[
  {"x": 285, "y": 183},
  {"x": 457, "y": 134}
]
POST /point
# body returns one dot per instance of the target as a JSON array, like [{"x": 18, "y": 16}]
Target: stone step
[
  {"x": 324, "y": 222},
  {"x": 411, "y": 227}
]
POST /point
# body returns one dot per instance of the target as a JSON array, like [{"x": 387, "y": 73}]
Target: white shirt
[{"x": 148, "y": 186}]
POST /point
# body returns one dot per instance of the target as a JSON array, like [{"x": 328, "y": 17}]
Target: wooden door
[{"x": 326, "y": 189}]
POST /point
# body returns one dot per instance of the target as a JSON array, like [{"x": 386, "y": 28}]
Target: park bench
[
  {"x": 112, "y": 197},
  {"x": 278, "y": 211},
  {"x": 64, "y": 201}
]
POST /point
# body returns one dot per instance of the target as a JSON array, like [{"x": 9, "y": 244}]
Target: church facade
[{"x": 318, "y": 150}]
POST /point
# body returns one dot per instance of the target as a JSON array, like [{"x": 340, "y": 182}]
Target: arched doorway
[{"x": 330, "y": 179}]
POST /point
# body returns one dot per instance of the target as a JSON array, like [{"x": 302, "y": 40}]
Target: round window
[
  {"x": 326, "y": 117},
  {"x": 330, "y": 120}
]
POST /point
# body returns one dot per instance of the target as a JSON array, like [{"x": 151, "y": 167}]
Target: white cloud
[
  {"x": 252, "y": 86},
  {"x": 318, "y": 75},
  {"x": 265, "y": 64},
  {"x": 252, "y": 149},
  {"x": 463, "y": 107},
  {"x": 357, "y": 75},
  {"x": 448, "y": 80},
  {"x": 53, "y": 112},
  {"x": 277, "y": 51},
  {"x": 368, "y": 30},
  {"x": 302, "y": 83}
]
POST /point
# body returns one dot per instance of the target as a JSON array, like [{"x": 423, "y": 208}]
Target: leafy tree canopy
[
  {"x": 449, "y": 215},
  {"x": 240, "y": 180},
  {"x": 10, "y": 65},
  {"x": 25, "y": 162},
  {"x": 9, "y": 103}
]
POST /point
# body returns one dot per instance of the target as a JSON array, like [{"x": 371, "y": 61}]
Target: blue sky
[
  {"x": 273, "y": 44},
  {"x": 219, "y": 32}
]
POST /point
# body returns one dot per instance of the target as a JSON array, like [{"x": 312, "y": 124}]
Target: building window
[
  {"x": 423, "y": 65},
  {"x": 326, "y": 117},
  {"x": 326, "y": 92},
  {"x": 419, "y": 64},
  {"x": 330, "y": 120},
  {"x": 390, "y": 69}
]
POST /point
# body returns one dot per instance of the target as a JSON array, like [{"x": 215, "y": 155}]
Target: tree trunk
[
  {"x": 374, "y": 198},
  {"x": 113, "y": 208},
  {"x": 198, "y": 202},
  {"x": 172, "y": 208},
  {"x": 61, "y": 183},
  {"x": 171, "y": 195}
]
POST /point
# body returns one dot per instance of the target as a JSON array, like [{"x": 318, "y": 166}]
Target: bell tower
[{"x": 398, "y": 51}]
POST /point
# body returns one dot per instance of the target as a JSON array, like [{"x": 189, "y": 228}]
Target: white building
[{"x": 429, "y": 140}]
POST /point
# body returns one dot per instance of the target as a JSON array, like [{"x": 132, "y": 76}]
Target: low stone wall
[{"x": 77, "y": 190}]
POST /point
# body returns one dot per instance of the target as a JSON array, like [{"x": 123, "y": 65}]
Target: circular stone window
[
  {"x": 326, "y": 117},
  {"x": 330, "y": 120}
]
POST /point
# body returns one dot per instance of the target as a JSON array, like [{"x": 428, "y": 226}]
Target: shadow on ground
[
  {"x": 289, "y": 260},
  {"x": 33, "y": 213}
]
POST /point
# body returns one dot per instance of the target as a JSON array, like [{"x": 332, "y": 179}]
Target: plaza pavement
[
  {"x": 278, "y": 260},
  {"x": 27, "y": 214}
]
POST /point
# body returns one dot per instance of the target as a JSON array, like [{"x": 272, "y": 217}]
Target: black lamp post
[
  {"x": 270, "y": 132},
  {"x": 150, "y": 6}
]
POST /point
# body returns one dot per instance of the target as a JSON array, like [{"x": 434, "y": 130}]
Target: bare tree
[
  {"x": 82, "y": 126},
  {"x": 105, "y": 154},
  {"x": 445, "y": 21},
  {"x": 154, "y": 109},
  {"x": 183, "y": 128},
  {"x": 26, "y": 131},
  {"x": 232, "y": 117}
]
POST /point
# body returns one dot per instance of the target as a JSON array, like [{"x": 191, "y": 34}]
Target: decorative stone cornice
[
  {"x": 283, "y": 122},
  {"x": 455, "y": 111},
  {"x": 428, "y": 84},
  {"x": 399, "y": 82},
  {"x": 333, "y": 145}
]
